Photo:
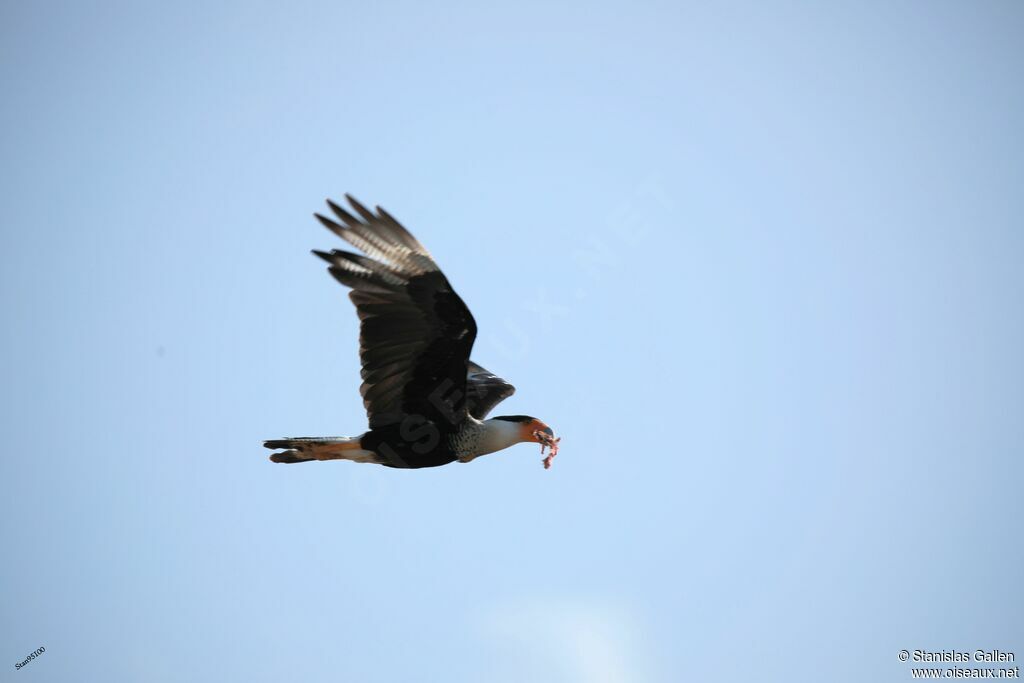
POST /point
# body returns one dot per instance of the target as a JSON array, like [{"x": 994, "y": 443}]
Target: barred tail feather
[{"x": 307, "y": 449}]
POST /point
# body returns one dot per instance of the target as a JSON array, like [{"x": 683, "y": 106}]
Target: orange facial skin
[{"x": 538, "y": 432}]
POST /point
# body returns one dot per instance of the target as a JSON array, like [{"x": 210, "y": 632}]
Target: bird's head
[{"x": 532, "y": 429}]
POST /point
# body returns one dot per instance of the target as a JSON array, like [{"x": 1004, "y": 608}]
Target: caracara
[{"x": 427, "y": 402}]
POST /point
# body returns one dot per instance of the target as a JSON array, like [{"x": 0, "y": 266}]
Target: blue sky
[{"x": 759, "y": 264}]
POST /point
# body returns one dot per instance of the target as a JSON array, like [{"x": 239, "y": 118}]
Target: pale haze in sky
[{"x": 759, "y": 265}]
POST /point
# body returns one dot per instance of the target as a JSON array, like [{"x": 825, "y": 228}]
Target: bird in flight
[{"x": 427, "y": 402}]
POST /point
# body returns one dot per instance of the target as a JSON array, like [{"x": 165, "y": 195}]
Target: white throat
[{"x": 498, "y": 435}]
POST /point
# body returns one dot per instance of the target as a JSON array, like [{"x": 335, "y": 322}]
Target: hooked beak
[{"x": 535, "y": 426}]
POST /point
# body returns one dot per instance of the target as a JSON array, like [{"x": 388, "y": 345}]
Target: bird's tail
[{"x": 306, "y": 449}]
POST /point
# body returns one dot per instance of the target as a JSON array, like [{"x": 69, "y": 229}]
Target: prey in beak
[
  {"x": 545, "y": 436},
  {"x": 525, "y": 429}
]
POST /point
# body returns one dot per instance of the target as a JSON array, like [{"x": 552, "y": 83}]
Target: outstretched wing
[
  {"x": 415, "y": 332},
  {"x": 484, "y": 390}
]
